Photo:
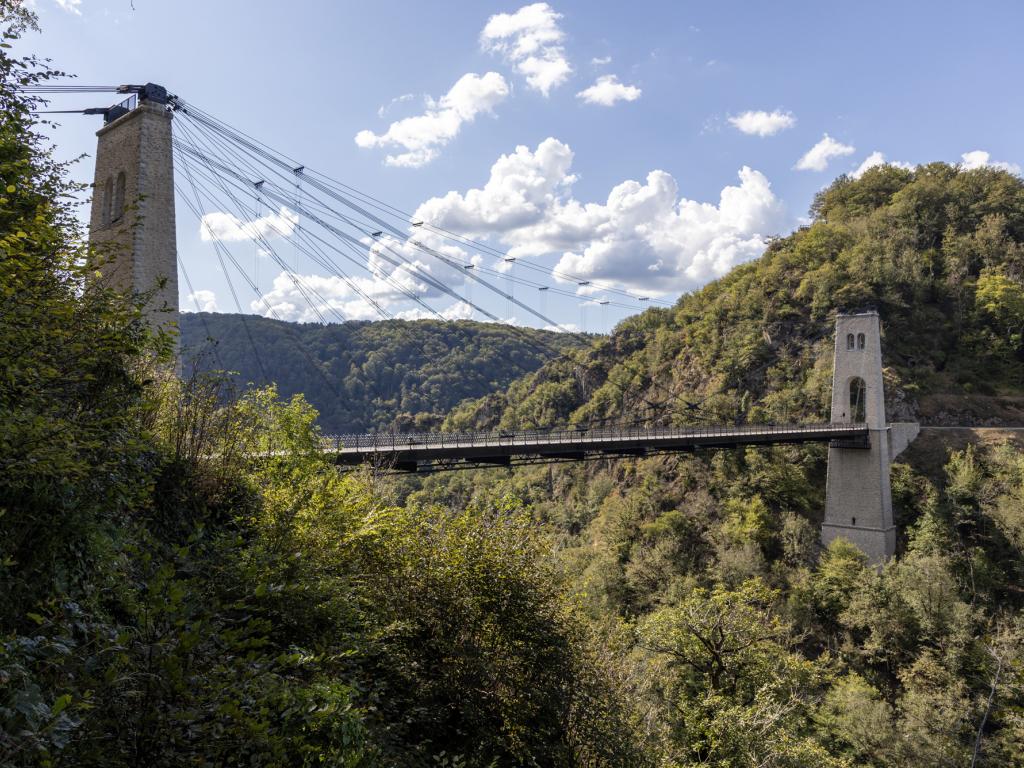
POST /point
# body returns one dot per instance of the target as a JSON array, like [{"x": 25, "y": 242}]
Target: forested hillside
[
  {"x": 749, "y": 645},
  {"x": 363, "y": 376},
  {"x": 936, "y": 251}
]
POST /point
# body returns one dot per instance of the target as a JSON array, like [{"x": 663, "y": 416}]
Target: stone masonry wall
[{"x": 132, "y": 227}]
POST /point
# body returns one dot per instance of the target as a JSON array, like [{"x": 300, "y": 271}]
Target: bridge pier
[
  {"x": 132, "y": 227},
  {"x": 858, "y": 491}
]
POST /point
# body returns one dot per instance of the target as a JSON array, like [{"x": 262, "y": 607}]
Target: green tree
[
  {"x": 735, "y": 693},
  {"x": 1002, "y": 300}
]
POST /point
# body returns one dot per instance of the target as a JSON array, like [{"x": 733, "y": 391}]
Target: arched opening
[
  {"x": 849, "y": 341},
  {"x": 118, "y": 197},
  {"x": 860, "y": 341},
  {"x": 108, "y": 200},
  {"x": 858, "y": 399}
]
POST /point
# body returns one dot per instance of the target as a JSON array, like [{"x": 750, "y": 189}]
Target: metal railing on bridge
[{"x": 470, "y": 445}]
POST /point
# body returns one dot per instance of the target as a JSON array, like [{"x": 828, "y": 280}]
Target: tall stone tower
[
  {"x": 858, "y": 495},
  {"x": 132, "y": 221}
]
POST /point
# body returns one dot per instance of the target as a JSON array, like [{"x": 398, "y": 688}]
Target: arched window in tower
[
  {"x": 118, "y": 211},
  {"x": 860, "y": 341},
  {"x": 858, "y": 398},
  {"x": 849, "y": 341},
  {"x": 108, "y": 201}
]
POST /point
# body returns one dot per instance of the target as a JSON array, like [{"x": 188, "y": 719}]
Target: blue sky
[{"x": 639, "y": 163}]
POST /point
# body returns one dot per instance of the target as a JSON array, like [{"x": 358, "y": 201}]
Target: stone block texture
[
  {"x": 858, "y": 492},
  {"x": 132, "y": 227}
]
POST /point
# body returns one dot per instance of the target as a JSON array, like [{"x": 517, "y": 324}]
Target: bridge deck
[{"x": 407, "y": 451}]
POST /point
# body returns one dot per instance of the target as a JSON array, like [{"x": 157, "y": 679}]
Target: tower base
[{"x": 878, "y": 544}]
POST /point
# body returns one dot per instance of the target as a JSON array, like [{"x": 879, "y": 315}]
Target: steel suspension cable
[
  {"x": 246, "y": 186},
  {"x": 530, "y": 341},
  {"x": 271, "y": 156},
  {"x": 316, "y": 255},
  {"x": 398, "y": 263},
  {"x": 258, "y": 146},
  {"x": 222, "y": 250}
]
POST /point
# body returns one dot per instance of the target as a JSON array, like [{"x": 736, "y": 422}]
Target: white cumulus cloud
[
  {"x": 398, "y": 273},
  {"x": 531, "y": 40},
  {"x": 876, "y": 159},
  {"x": 608, "y": 90},
  {"x": 761, "y": 123},
  {"x": 460, "y": 310},
  {"x": 817, "y": 157},
  {"x": 563, "y": 328},
  {"x": 644, "y": 235},
  {"x": 286, "y": 301},
  {"x": 979, "y": 158},
  {"x": 229, "y": 228},
  {"x": 422, "y": 136},
  {"x": 204, "y": 300},
  {"x": 71, "y": 6}
]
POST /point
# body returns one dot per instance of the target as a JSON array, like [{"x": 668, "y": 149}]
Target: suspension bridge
[
  {"x": 241, "y": 190},
  {"x": 441, "y": 451}
]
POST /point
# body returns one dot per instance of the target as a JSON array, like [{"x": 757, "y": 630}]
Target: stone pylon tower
[
  {"x": 132, "y": 223},
  {"x": 858, "y": 495}
]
